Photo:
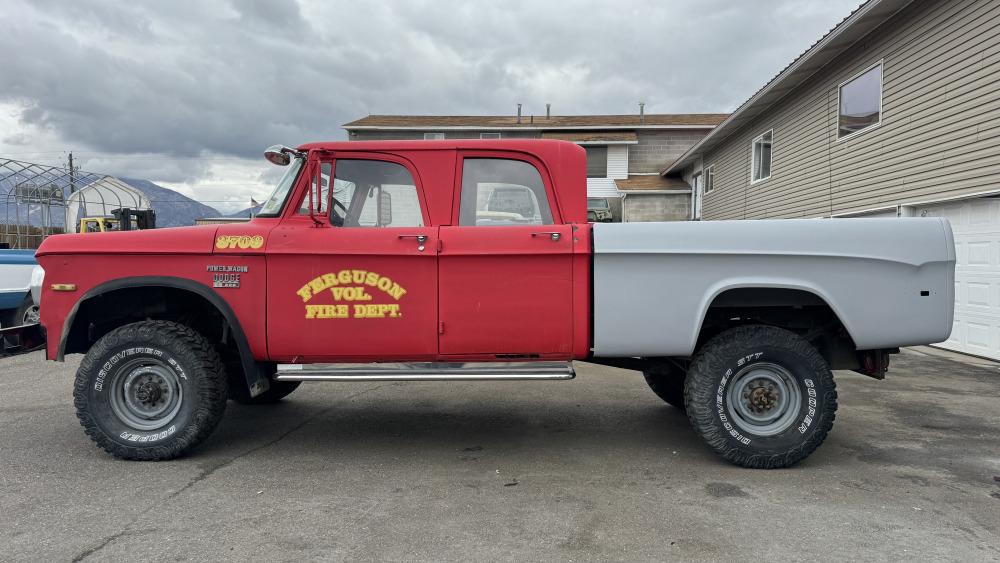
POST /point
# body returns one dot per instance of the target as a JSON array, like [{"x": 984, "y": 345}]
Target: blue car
[{"x": 17, "y": 270}]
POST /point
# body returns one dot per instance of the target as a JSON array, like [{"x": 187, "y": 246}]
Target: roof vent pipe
[
  {"x": 548, "y": 111},
  {"x": 518, "y": 113},
  {"x": 642, "y": 112}
]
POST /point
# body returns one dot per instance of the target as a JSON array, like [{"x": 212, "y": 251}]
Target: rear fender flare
[{"x": 715, "y": 291}]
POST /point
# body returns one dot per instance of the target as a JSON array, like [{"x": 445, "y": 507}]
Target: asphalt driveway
[{"x": 591, "y": 469}]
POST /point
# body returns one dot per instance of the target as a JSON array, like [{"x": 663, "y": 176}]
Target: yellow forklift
[{"x": 123, "y": 219}]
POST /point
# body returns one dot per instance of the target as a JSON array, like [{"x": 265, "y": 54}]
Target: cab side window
[
  {"x": 374, "y": 193},
  {"x": 500, "y": 191}
]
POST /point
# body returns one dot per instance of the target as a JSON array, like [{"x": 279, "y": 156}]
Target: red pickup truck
[{"x": 474, "y": 260}]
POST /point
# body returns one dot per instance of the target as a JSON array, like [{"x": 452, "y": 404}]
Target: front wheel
[
  {"x": 760, "y": 396},
  {"x": 150, "y": 390}
]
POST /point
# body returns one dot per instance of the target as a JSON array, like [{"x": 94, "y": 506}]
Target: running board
[{"x": 427, "y": 371}]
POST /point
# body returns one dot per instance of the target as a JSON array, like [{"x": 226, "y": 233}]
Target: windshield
[{"x": 277, "y": 198}]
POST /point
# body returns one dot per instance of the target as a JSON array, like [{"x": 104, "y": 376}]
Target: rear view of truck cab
[{"x": 474, "y": 260}]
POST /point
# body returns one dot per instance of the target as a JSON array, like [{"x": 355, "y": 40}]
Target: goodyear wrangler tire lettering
[
  {"x": 150, "y": 390},
  {"x": 760, "y": 396}
]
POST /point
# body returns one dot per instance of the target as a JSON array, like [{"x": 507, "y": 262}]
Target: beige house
[
  {"x": 894, "y": 113},
  {"x": 624, "y": 152}
]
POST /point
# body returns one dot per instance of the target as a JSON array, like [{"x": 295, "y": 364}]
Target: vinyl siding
[
  {"x": 618, "y": 161},
  {"x": 940, "y": 131}
]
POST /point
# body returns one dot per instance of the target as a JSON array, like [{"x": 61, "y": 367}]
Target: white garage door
[{"x": 976, "y": 224}]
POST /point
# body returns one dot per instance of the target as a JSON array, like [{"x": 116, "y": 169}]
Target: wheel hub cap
[
  {"x": 146, "y": 394},
  {"x": 764, "y": 399}
]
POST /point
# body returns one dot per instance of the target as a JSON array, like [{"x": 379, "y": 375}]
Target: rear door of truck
[{"x": 505, "y": 264}]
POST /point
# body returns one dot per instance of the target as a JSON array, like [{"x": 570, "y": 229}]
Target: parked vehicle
[
  {"x": 16, "y": 305},
  {"x": 598, "y": 210},
  {"x": 738, "y": 323}
]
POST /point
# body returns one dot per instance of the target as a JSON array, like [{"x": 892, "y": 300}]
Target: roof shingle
[{"x": 528, "y": 122}]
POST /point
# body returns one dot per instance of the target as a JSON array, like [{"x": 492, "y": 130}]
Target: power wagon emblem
[
  {"x": 239, "y": 241},
  {"x": 350, "y": 291}
]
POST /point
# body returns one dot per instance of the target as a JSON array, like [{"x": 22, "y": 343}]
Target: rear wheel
[
  {"x": 667, "y": 381},
  {"x": 761, "y": 396},
  {"x": 150, "y": 390}
]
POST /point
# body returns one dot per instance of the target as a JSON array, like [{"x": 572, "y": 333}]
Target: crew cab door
[
  {"x": 360, "y": 282},
  {"x": 505, "y": 264}
]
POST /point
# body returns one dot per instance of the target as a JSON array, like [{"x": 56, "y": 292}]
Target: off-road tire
[
  {"x": 276, "y": 392},
  {"x": 178, "y": 352},
  {"x": 667, "y": 381},
  {"x": 734, "y": 356}
]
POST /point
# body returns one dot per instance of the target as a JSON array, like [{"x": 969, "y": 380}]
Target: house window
[
  {"x": 597, "y": 161},
  {"x": 433, "y": 136},
  {"x": 760, "y": 166},
  {"x": 860, "y": 102},
  {"x": 709, "y": 179},
  {"x": 489, "y": 135}
]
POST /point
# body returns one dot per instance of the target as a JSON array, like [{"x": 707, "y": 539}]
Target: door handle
[
  {"x": 554, "y": 235},
  {"x": 421, "y": 239}
]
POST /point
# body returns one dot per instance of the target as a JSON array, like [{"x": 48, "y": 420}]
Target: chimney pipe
[
  {"x": 548, "y": 111},
  {"x": 518, "y": 113},
  {"x": 642, "y": 112}
]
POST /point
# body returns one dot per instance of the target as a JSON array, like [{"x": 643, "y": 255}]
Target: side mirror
[
  {"x": 277, "y": 154},
  {"x": 384, "y": 208}
]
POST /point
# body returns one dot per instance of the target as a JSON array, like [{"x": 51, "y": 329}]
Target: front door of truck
[
  {"x": 505, "y": 263},
  {"x": 356, "y": 278}
]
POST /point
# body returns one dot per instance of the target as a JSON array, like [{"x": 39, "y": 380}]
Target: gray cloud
[{"x": 186, "y": 78}]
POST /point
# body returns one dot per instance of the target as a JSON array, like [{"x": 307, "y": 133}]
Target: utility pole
[{"x": 72, "y": 174}]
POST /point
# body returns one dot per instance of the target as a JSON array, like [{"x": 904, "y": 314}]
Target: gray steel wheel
[
  {"x": 146, "y": 394},
  {"x": 764, "y": 399},
  {"x": 31, "y": 315}
]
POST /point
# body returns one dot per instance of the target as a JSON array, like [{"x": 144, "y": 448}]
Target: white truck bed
[{"x": 890, "y": 281}]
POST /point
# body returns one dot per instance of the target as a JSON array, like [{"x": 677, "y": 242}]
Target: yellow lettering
[
  {"x": 344, "y": 276},
  {"x": 316, "y": 285},
  {"x": 396, "y": 291},
  {"x": 305, "y": 293},
  {"x": 384, "y": 284},
  {"x": 371, "y": 279},
  {"x": 329, "y": 280}
]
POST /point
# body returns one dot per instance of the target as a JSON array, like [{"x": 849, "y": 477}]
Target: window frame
[
  {"x": 881, "y": 95},
  {"x": 607, "y": 155},
  {"x": 434, "y": 136},
  {"x": 753, "y": 161},
  {"x": 315, "y": 164},
  {"x": 550, "y": 193},
  {"x": 493, "y": 135},
  {"x": 708, "y": 173}
]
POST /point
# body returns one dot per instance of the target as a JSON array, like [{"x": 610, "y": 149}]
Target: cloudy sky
[{"x": 188, "y": 93}]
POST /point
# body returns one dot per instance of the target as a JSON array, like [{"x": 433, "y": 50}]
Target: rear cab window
[{"x": 502, "y": 192}]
